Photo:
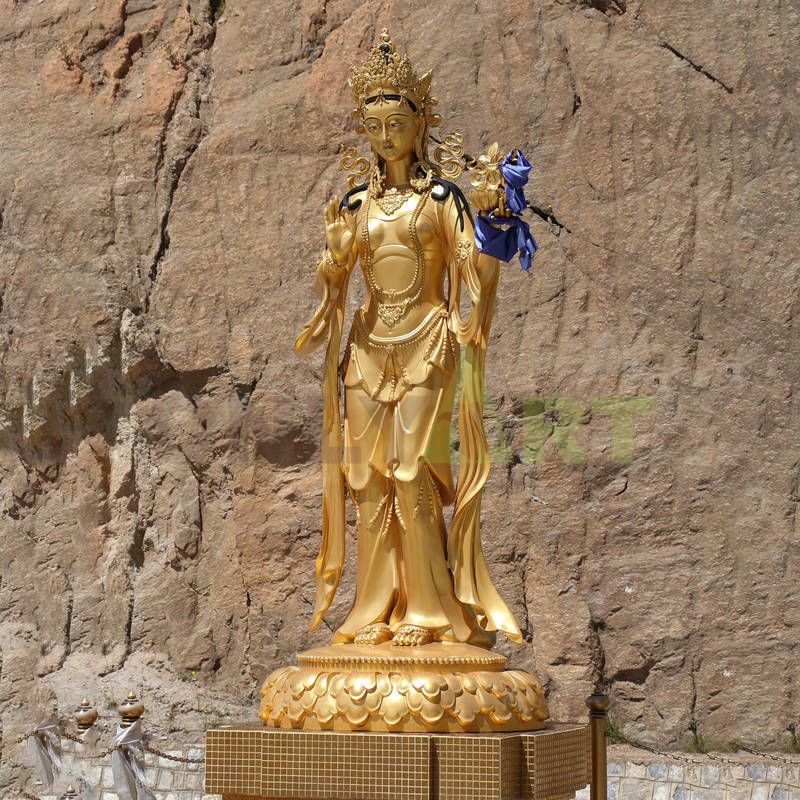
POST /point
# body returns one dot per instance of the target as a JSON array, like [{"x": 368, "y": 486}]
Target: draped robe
[{"x": 379, "y": 375}]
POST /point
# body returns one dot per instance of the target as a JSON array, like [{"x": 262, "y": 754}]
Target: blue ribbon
[
  {"x": 503, "y": 237},
  {"x": 504, "y": 243},
  {"x": 515, "y": 171}
]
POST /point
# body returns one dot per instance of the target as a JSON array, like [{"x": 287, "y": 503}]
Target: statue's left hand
[
  {"x": 340, "y": 229},
  {"x": 489, "y": 200}
]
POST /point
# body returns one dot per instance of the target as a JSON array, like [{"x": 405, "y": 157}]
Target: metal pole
[{"x": 598, "y": 713}]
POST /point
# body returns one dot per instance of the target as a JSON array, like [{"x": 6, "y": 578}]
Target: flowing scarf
[
  {"x": 44, "y": 746},
  {"x": 127, "y": 764},
  {"x": 331, "y": 552},
  {"x": 472, "y": 582}
]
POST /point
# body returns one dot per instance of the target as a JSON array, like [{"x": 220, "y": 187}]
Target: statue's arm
[
  {"x": 476, "y": 271},
  {"x": 333, "y": 268}
]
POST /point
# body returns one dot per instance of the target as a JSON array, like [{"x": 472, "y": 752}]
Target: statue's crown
[{"x": 386, "y": 73}]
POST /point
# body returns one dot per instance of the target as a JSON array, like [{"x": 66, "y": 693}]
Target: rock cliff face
[{"x": 164, "y": 168}]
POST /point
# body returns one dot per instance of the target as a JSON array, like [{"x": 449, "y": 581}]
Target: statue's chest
[{"x": 409, "y": 227}]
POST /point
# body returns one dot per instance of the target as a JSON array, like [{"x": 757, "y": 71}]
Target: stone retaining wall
[
  {"x": 169, "y": 780},
  {"x": 630, "y": 777}
]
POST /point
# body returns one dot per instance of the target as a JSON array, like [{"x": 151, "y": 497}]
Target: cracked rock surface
[{"x": 165, "y": 164}]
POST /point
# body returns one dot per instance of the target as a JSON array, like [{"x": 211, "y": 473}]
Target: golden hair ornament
[{"x": 386, "y": 75}]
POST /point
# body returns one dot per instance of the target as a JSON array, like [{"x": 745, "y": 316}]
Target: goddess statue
[
  {"x": 413, "y": 652},
  {"x": 411, "y": 232}
]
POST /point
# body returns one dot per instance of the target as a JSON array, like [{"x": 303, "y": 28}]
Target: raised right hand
[{"x": 340, "y": 230}]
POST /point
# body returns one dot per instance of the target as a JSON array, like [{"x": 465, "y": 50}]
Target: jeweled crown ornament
[{"x": 386, "y": 74}]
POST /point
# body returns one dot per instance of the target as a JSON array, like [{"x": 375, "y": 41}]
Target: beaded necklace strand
[{"x": 393, "y": 303}]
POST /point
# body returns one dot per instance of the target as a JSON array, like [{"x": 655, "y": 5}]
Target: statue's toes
[
  {"x": 401, "y": 639},
  {"x": 412, "y": 636},
  {"x": 377, "y": 633}
]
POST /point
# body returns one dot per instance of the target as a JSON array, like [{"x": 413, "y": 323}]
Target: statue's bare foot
[
  {"x": 412, "y": 636},
  {"x": 377, "y": 633}
]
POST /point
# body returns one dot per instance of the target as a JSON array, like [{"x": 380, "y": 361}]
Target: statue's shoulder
[
  {"x": 353, "y": 197},
  {"x": 443, "y": 190}
]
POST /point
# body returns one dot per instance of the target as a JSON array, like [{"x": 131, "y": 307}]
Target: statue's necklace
[
  {"x": 392, "y": 199},
  {"x": 393, "y": 303}
]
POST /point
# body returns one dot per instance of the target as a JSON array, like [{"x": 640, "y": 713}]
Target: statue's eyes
[{"x": 372, "y": 128}]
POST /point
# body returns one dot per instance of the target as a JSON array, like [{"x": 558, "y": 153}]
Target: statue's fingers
[
  {"x": 349, "y": 219},
  {"x": 330, "y": 212}
]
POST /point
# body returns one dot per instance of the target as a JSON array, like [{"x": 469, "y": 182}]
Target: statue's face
[{"x": 391, "y": 129}]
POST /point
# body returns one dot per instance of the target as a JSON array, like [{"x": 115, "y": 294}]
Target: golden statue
[{"x": 413, "y": 652}]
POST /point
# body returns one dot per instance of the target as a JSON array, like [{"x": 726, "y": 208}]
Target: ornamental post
[{"x": 598, "y": 714}]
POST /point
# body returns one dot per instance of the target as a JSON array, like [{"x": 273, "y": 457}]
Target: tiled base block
[{"x": 251, "y": 761}]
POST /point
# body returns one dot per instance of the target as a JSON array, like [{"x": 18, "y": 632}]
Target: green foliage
[
  {"x": 614, "y": 732},
  {"x": 698, "y": 743},
  {"x": 217, "y": 8},
  {"x": 794, "y": 740}
]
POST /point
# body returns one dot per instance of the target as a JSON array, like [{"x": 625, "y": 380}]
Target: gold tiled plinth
[
  {"x": 251, "y": 761},
  {"x": 436, "y": 688}
]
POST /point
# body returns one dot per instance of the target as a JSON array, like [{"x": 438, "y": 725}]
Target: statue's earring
[
  {"x": 422, "y": 176},
  {"x": 376, "y": 182},
  {"x": 359, "y": 118}
]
